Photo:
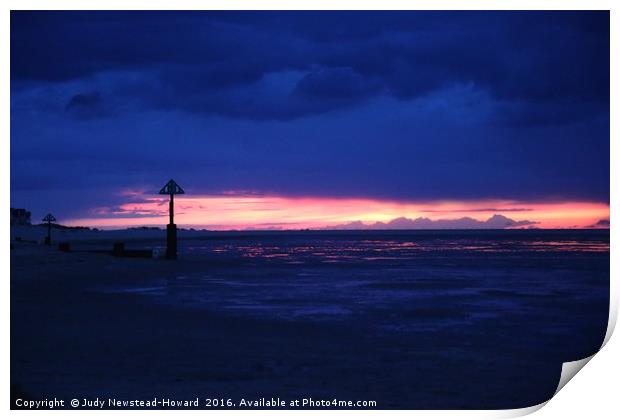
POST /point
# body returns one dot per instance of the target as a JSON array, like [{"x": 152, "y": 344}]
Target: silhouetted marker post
[
  {"x": 171, "y": 188},
  {"x": 49, "y": 219}
]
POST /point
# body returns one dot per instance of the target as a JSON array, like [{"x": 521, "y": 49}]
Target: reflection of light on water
[
  {"x": 570, "y": 246},
  {"x": 378, "y": 249},
  {"x": 408, "y": 283},
  {"x": 384, "y": 258}
]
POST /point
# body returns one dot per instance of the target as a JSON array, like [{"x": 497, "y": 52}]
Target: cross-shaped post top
[
  {"x": 171, "y": 188},
  {"x": 49, "y": 218}
]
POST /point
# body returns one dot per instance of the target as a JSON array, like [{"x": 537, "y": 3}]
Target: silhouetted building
[{"x": 20, "y": 217}]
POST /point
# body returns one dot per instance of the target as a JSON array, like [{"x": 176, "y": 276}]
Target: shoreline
[
  {"x": 75, "y": 335},
  {"x": 38, "y": 232}
]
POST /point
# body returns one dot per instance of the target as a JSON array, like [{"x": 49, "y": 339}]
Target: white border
[{"x": 597, "y": 387}]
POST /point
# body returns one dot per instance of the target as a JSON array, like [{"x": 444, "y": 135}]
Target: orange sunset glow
[{"x": 231, "y": 211}]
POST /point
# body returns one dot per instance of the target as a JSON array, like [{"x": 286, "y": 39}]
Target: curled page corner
[
  {"x": 569, "y": 370},
  {"x": 519, "y": 412}
]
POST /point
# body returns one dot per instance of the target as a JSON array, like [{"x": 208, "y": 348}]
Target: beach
[{"x": 424, "y": 325}]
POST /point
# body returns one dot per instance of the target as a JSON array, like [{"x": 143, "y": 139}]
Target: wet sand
[
  {"x": 70, "y": 340},
  {"x": 67, "y": 341}
]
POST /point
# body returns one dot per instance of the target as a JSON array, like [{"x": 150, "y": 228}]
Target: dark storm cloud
[
  {"x": 335, "y": 84},
  {"x": 84, "y": 100},
  {"x": 394, "y": 105},
  {"x": 86, "y": 105},
  {"x": 546, "y": 58}
]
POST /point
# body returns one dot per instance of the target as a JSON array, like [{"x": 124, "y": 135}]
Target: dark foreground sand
[{"x": 70, "y": 340}]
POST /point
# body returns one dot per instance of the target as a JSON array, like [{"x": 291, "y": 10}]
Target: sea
[
  {"x": 412, "y": 280},
  {"x": 487, "y": 305}
]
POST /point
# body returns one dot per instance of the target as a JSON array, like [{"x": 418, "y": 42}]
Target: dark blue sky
[{"x": 389, "y": 105}]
